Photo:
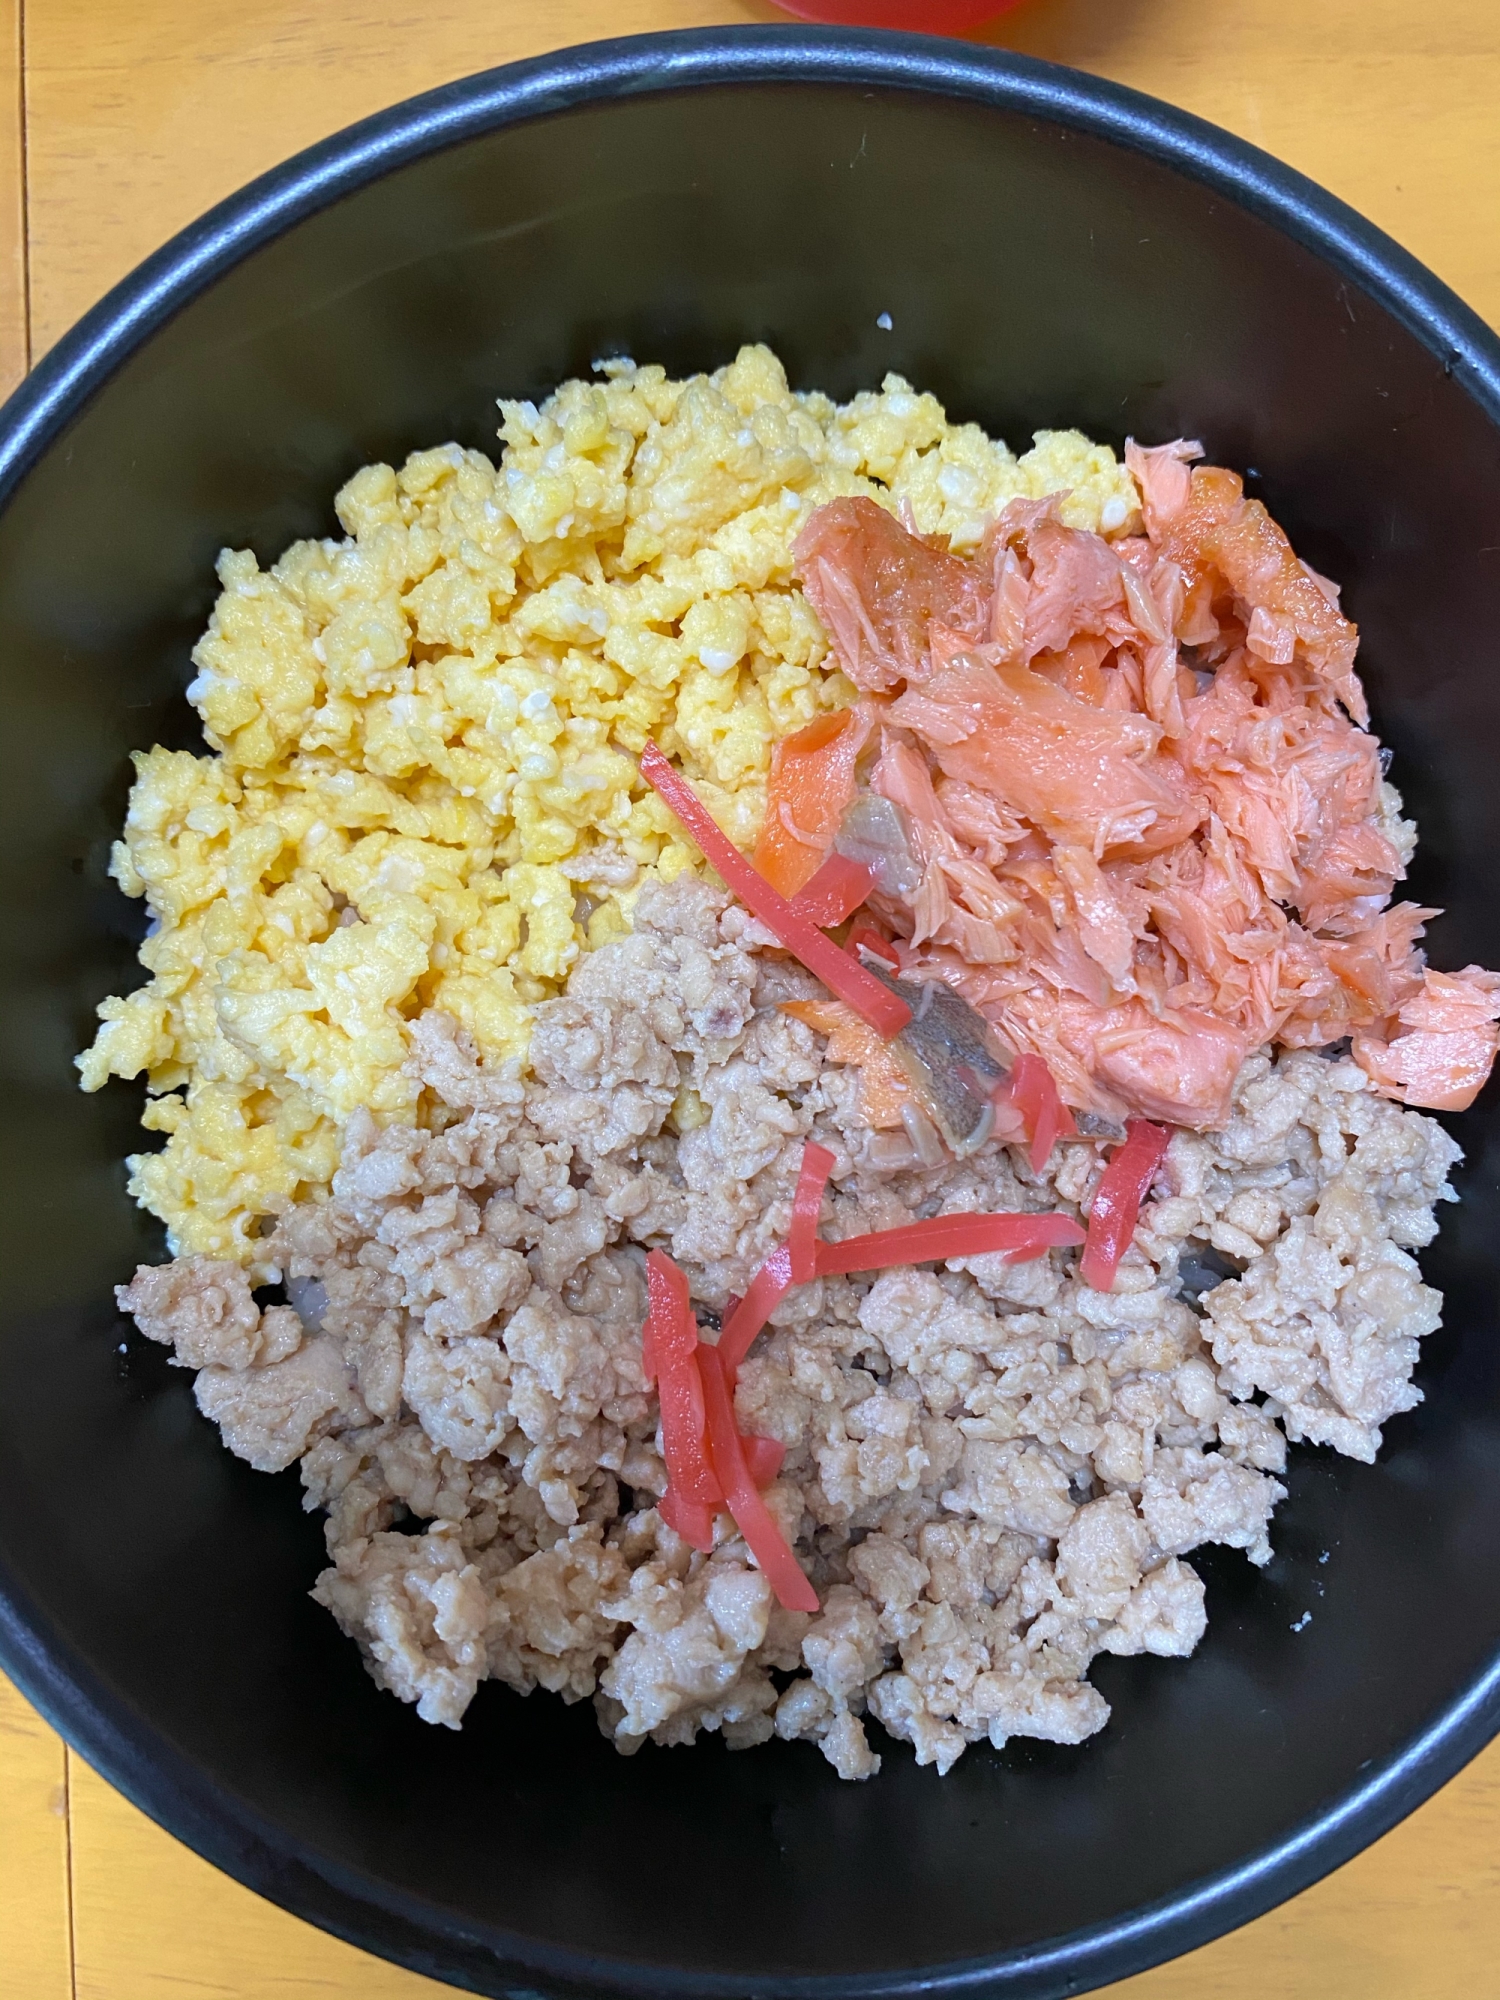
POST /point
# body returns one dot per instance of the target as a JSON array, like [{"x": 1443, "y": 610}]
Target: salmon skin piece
[{"x": 949, "y": 1056}]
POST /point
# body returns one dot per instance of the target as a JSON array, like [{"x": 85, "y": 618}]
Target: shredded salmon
[
  {"x": 812, "y": 782},
  {"x": 883, "y": 1087},
  {"x": 1444, "y": 1043},
  {"x": 878, "y": 590},
  {"x": 1292, "y": 613},
  {"x": 1150, "y": 819}
]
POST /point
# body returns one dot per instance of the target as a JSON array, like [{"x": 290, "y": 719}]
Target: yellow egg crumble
[{"x": 423, "y": 788}]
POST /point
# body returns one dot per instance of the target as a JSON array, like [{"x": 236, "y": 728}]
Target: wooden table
[{"x": 122, "y": 119}]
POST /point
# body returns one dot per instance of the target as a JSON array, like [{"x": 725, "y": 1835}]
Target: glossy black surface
[{"x": 1051, "y": 252}]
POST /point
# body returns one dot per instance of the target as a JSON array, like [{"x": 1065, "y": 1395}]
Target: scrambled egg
[{"x": 423, "y": 788}]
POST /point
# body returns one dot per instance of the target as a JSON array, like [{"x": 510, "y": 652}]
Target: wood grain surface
[
  {"x": 120, "y": 120},
  {"x": 15, "y": 331}
]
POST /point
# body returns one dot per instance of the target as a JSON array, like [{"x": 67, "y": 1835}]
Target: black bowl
[{"x": 1050, "y": 251}]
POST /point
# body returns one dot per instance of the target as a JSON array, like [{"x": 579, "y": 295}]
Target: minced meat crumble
[{"x": 993, "y": 1473}]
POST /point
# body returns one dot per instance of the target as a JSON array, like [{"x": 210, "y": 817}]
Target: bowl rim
[{"x": 146, "y": 1766}]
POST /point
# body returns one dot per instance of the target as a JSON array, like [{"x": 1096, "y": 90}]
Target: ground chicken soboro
[{"x": 993, "y": 1473}]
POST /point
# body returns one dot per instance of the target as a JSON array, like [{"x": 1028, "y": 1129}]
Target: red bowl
[{"x": 929, "y": 17}]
